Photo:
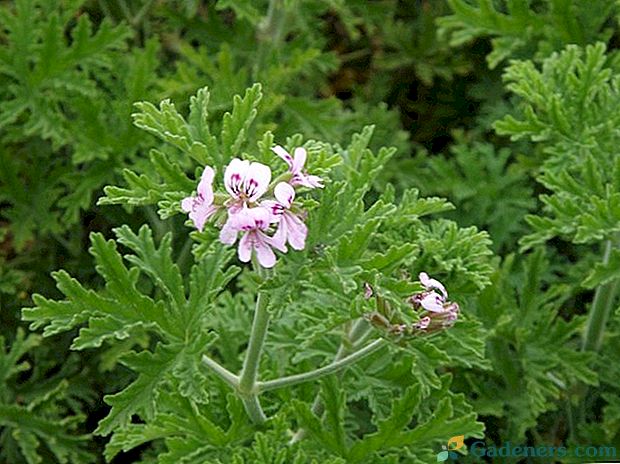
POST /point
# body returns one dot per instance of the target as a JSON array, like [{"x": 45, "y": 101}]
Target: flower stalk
[
  {"x": 602, "y": 306},
  {"x": 335, "y": 366}
]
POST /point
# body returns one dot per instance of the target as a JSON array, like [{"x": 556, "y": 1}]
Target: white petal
[
  {"x": 264, "y": 253},
  {"x": 285, "y": 194},
  {"x": 245, "y": 247},
  {"x": 430, "y": 284},
  {"x": 228, "y": 234},
  {"x": 256, "y": 180},
  {"x": 299, "y": 160},
  {"x": 260, "y": 217},
  {"x": 282, "y": 153},
  {"x": 187, "y": 203},
  {"x": 235, "y": 175},
  {"x": 432, "y": 302},
  {"x": 205, "y": 187},
  {"x": 297, "y": 231}
]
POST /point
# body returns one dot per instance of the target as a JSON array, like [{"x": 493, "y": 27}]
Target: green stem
[
  {"x": 254, "y": 409},
  {"x": 249, "y": 372},
  {"x": 358, "y": 333},
  {"x": 331, "y": 368},
  {"x": 602, "y": 306},
  {"x": 223, "y": 373}
]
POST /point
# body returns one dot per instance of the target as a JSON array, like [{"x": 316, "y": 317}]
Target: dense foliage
[{"x": 308, "y": 231}]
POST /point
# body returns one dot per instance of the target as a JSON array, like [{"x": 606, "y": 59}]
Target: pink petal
[
  {"x": 264, "y": 253},
  {"x": 314, "y": 181},
  {"x": 234, "y": 176},
  {"x": 278, "y": 240},
  {"x": 256, "y": 181},
  {"x": 285, "y": 194},
  {"x": 299, "y": 160},
  {"x": 186, "y": 204},
  {"x": 282, "y": 153},
  {"x": 275, "y": 209},
  {"x": 201, "y": 213},
  {"x": 228, "y": 234},
  {"x": 205, "y": 187},
  {"x": 433, "y": 303},
  {"x": 297, "y": 231},
  {"x": 245, "y": 247},
  {"x": 260, "y": 217},
  {"x": 429, "y": 284}
]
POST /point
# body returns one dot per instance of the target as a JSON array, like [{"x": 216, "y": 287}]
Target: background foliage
[{"x": 473, "y": 139}]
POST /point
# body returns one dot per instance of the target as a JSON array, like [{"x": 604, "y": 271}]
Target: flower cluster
[
  {"x": 437, "y": 312},
  {"x": 245, "y": 211}
]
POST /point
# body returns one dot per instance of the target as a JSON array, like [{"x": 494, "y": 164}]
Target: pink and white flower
[
  {"x": 438, "y": 313},
  {"x": 245, "y": 182},
  {"x": 252, "y": 223},
  {"x": 200, "y": 206},
  {"x": 291, "y": 228},
  {"x": 430, "y": 284},
  {"x": 296, "y": 165}
]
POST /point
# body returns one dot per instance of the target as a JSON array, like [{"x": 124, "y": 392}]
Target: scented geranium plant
[{"x": 334, "y": 343}]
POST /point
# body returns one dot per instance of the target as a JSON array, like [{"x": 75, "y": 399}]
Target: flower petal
[
  {"x": 433, "y": 303},
  {"x": 297, "y": 231},
  {"x": 260, "y": 217},
  {"x": 429, "y": 284},
  {"x": 201, "y": 213},
  {"x": 228, "y": 234},
  {"x": 234, "y": 176},
  {"x": 278, "y": 240},
  {"x": 205, "y": 186},
  {"x": 187, "y": 204},
  {"x": 282, "y": 153},
  {"x": 314, "y": 182},
  {"x": 299, "y": 160},
  {"x": 256, "y": 181},
  {"x": 264, "y": 253},
  {"x": 284, "y": 193},
  {"x": 274, "y": 208},
  {"x": 245, "y": 247}
]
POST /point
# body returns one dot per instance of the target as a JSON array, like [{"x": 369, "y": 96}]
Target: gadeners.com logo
[
  {"x": 480, "y": 449},
  {"x": 454, "y": 443},
  {"x": 510, "y": 450}
]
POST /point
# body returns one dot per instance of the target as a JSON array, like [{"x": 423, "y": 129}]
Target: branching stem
[
  {"x": 602, "y": 306},
  {"x": 333, "y": 367}
]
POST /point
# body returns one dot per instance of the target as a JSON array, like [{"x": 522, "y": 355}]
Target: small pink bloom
[
  {"x": 296, "y": 165},
  {"x": 251, "y": 222},
  {"x": 245, "y": 182},
  {"x": 290, "y": 227},
  {"x": 423, "y": 323},
  {"x": 438, "y": 313},
  {"x": 200, "y": 207},
  {"x": 368, "y": 291},
  {"x": 430, "y": 284},
  {"x": 433, "y": 302}
]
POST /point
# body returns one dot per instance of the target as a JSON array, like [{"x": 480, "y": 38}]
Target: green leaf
[
  {"x": 603, "y": 273},
  {"x": 235, "y": 124}
]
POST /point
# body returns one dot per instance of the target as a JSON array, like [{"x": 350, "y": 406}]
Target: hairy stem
[
  {"x": 249, "y": 372},
  {"x": 223, "y": 373},
  {"x": 602, "y": 306},
  {"x": 358, "y": 333},
  {"x": 254, "y": 409},
  {"x": 333, "y": 367}
]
